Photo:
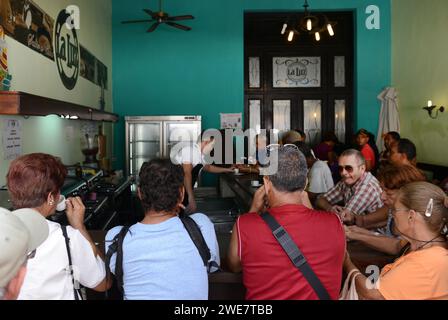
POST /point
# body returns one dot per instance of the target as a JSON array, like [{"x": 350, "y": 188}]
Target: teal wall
[{"x": 201, "y": 71}]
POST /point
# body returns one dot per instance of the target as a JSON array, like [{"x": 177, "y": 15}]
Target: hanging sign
[{"x": 67, "y": 50}]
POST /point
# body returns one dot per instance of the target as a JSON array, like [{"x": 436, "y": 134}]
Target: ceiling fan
[{"x": 160, "y": 17}]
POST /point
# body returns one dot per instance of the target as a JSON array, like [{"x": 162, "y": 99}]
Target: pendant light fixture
[{"x": 308, "y": 23}]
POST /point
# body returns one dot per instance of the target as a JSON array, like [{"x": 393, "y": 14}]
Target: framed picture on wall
[
  {"x": 25, "y": 22},
  {"x": 231, "y": 120}
]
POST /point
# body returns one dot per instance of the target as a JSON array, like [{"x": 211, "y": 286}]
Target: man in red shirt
[{"x": 268, "y": 273}]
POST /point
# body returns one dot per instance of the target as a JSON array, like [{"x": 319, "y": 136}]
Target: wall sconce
[{"x": 431, "y": 107}]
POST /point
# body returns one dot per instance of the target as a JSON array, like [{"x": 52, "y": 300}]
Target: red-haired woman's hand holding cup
[{"x": 75, "y": 212}]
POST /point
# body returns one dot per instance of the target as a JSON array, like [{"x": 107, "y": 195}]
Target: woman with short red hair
[{"x": 35, "y": 181}]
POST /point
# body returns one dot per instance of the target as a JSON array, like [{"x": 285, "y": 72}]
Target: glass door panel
[
  {"x": 281, "y": 116},
  {"x": 145, "y": 132},
  {"x": 254, "y": 72},
  {"x": 176, "y": 132},
  {"x": 339, "y": 121},
  {"x": 339, "y": 72},
  {"x": 255, "y": 115},
  {"x": 312, "y": 115},
  {"x": 144, "y": 144}
]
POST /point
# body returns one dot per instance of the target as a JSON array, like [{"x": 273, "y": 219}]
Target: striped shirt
[{"x": 361, "y": 198}]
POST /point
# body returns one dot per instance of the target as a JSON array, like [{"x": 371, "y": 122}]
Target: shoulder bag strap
[
  {"x": 119, "y": 259},
  {"x": 296, "y": 256},
  {"x": 198, "y": 239},
  {"x": 76, "y": 291}
]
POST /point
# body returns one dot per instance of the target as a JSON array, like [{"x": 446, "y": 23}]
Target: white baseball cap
[{"x": 21, "y": 232}]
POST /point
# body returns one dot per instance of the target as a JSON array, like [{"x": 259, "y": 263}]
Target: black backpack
[{"x": 117, "y": 247}]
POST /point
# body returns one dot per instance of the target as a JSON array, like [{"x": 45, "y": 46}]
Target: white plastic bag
[{"x": 348, "y": 291}]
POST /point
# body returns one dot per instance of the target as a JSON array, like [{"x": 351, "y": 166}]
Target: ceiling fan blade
[
  {"x": 177, "y": 18},
  {"x": 136, "y": 21},
  {"x": 151, "y": 13},
  {"x": 179, "y": 26},
  {"x": 153, "y": 27}
]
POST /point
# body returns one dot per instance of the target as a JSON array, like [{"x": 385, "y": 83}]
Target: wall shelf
[{"x": 25, "y": 104}]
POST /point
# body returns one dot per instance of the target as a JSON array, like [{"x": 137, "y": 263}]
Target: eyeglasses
[{"x": 349, "y": 169}]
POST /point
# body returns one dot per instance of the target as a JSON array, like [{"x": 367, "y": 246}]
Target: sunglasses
[{"x": 349, "y": 169}]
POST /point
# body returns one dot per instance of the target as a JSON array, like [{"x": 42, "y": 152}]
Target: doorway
[{"x": 303, "y": 84}]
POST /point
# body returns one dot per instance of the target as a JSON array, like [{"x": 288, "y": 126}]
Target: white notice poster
[
  {"x": 231, "y": 120},
  {"x": 12, "y": 138}
]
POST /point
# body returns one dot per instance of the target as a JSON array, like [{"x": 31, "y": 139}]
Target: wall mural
[
  {"x": 93, "y": 69},
  {"x": 24, "y": 21},
  {"x": 5, "y": 77}
]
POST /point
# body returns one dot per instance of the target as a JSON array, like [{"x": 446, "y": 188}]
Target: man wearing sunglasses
[{"x": 358, "y": 191}]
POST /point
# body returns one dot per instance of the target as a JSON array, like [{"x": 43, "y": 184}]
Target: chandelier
[{"x": 308, "y": 23}]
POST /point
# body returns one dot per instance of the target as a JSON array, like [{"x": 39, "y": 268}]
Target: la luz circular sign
[
  {"x": 297, "y": 71},
  {"x": 67, "y": 50}
]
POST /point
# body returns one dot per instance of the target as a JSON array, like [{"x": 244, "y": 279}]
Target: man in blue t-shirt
[{"x": 160, "y": 261}]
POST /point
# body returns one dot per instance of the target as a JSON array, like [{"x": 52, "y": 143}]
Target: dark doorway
[{"x": 303, "y": 84}]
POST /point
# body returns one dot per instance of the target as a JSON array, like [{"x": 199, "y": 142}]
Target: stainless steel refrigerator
[{"x": 152, "y": 137}]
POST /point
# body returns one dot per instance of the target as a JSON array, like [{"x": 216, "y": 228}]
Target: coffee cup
[
  {"x": 236, "y": 170},
  {"x": 61, "y": 206},
  {"x": 255, "y": 183}
]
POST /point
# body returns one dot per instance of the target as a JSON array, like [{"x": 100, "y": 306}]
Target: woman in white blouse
[{"x": 34, "y": 181}]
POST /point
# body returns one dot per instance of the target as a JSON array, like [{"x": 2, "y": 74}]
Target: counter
[
  {"x": 226, "y": 285},
  {"x": 239, "y": 187},
  {"x": 107, "y": 200}
]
